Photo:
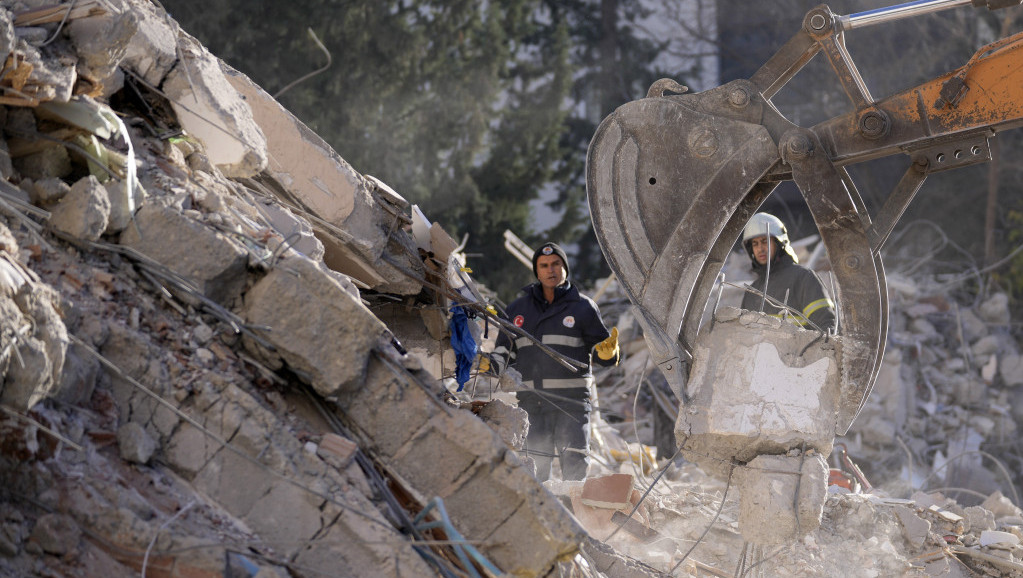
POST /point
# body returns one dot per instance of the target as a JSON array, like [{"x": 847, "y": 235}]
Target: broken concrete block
[
  {"x": 995, "y": 310},
  {"x": 52, "y": 161},
  {"x": 308, "y": 341},
  {"x": 84, "y": 212},
  {"x": 510, "y": 422},
  {"x": 152, "y": 51},
  {"x": 781, "y": 497},
  {"x": 979, "y": 519},
  {"x": 914, "y": 528},
  {"x": 333, "y": 549},
  {"x": 297, "y": 233},
  {"x": 758, "y": 386},
  {"x": 972, "y": 325},
  {"x": 213, "y": 262},
  {"x": 210, "y": 109},
  {"x": 31, "y": 326},
  {"x": 122, "y": 207},
  {"x": 611, "y": 492},
  {"x": 286, "y": 514},
  {"x": 1011, "y": 369},
  {"x": 134, "y": 443},
  {"x": 426, "y": 435},
  {"x": 56, "y": 534},
  {"x": 318, "y": 179},
  {"x": 985, "y": 346},
  {"x": 101, "y": 44},
  {"x": 996, "y": 539},
  {"x": 47, "y": 191},
  {"x": 1001, "y": 506}
]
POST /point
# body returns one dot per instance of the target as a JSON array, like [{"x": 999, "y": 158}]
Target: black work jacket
[
  {"x": 570, "y": 325},
  {"x": 805, "y": 293}
]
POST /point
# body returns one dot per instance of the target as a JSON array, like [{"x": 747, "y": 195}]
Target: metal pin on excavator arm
[{"x": 672, "y": 180}]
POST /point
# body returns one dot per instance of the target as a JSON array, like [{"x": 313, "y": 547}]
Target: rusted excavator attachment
[{"x": 673, "y": 178}]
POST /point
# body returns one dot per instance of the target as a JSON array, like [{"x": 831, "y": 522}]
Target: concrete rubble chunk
[
  {"x": 476, "y": 480},
  {"x": 46, "y": 191},
  {"x": 753, "y": 393},
  {"x": 135, "y": 444},
  {"x": 213, "y": 262},
  {"x": 307, "y": 342},
  {"x": 995, "y": 309},
  {"x": 1010, "y": 369},
  {"x": 50, "y": 161},
  {"x": 781, "y": 497},
  {"x": 1001, "y": 506},
  {"x": 510, "y": 422},
  {"x": 31, "y": 325},
  {"x": 914, "y": 528},
  {"x": 210, "y": 109},
  {"x": 998, "y": 539},
  {"x": 102, "y": 44},
  {"x": 56, "y": 534},
  {"x": 84, "y": 212}
]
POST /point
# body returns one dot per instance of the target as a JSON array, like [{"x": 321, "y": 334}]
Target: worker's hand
[{"x": 608, "y": 349}]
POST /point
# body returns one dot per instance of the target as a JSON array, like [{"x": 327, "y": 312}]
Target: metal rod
[
  {"x": 897, "y": 12},
  {"x": 770, "y": 255}
]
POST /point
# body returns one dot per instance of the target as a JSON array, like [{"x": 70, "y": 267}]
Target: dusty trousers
[{"x": 559, "y": 424}]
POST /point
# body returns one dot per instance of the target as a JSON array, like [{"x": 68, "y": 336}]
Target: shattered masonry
[{"x": 198, "y": 378}]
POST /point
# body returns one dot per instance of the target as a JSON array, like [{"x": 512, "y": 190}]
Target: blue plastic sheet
[{"x": 464, "y": 345}]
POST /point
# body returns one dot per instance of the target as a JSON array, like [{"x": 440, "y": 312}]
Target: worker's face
[
  {"x": 550, "y": 271},
  {"x": 764, "y": 248}
]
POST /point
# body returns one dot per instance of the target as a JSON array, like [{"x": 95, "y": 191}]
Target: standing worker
[
  {"x": 554, "y": 313},
  {"x": 777, "y": 267}
]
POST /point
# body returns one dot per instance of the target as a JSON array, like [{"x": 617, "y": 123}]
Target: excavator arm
[{"x": 673, "y": 178}]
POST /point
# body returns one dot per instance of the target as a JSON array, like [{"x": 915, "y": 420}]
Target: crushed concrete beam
[
  {"x": 210, "y": 109},
  {"x": 359, "y": 221},
  {"x": 210, "y": 260},
  {"x": 440, "y": 451},
  {"x": 308, "y": 342}
]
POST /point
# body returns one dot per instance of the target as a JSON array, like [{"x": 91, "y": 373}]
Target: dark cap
[{"x": 550, "y": 249}]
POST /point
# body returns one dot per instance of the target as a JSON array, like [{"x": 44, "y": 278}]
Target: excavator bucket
[
  {"x": 667, "y": 212},
  {"x": 672, "y": 180}
]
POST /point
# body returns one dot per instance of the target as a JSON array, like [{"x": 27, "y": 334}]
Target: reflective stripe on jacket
[
  {"x": 805, "y": 293},
  {"x": 571, "y": 325}
]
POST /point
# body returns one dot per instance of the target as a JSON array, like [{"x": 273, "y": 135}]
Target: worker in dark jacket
[
  {"x": 554, "y": 312},
  {"x": 777, "y": 267}
]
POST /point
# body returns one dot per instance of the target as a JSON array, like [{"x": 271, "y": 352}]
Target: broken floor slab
[
  {"x": 440, "y": 451},
  {"x": 210, "y": 109},
  {"x": 759, "y": 385},
  {"x": 355, "y": 217},
  {"x": 310, "y": 343}
]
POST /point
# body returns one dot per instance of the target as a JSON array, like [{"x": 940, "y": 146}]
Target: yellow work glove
[
  {"x": 608, "y": 349},
  {"x": 484, "y": 363}
]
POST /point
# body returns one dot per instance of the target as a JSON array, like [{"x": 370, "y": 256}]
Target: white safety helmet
[{"x": 767, "y": 224}]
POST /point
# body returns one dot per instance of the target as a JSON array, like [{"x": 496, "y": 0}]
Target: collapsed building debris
[{"x": 218, "y": 358}]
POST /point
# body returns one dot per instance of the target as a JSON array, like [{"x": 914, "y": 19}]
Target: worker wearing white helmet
[{"x": 777, "y": 267}]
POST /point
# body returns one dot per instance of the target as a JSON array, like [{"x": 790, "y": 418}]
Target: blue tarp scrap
[{"x": 464, "y": 345}]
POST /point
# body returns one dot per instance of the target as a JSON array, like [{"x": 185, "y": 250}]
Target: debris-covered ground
[{"x": 224, "y": 352}]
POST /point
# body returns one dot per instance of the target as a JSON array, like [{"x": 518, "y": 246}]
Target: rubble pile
[
  {"x": 936, "y": 440},
  {"x": 225, "y": 352},
  {"x": 194, "y": 381}
]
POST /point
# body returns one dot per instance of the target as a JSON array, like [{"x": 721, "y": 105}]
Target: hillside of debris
[{"x": 226, "y": 352}]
